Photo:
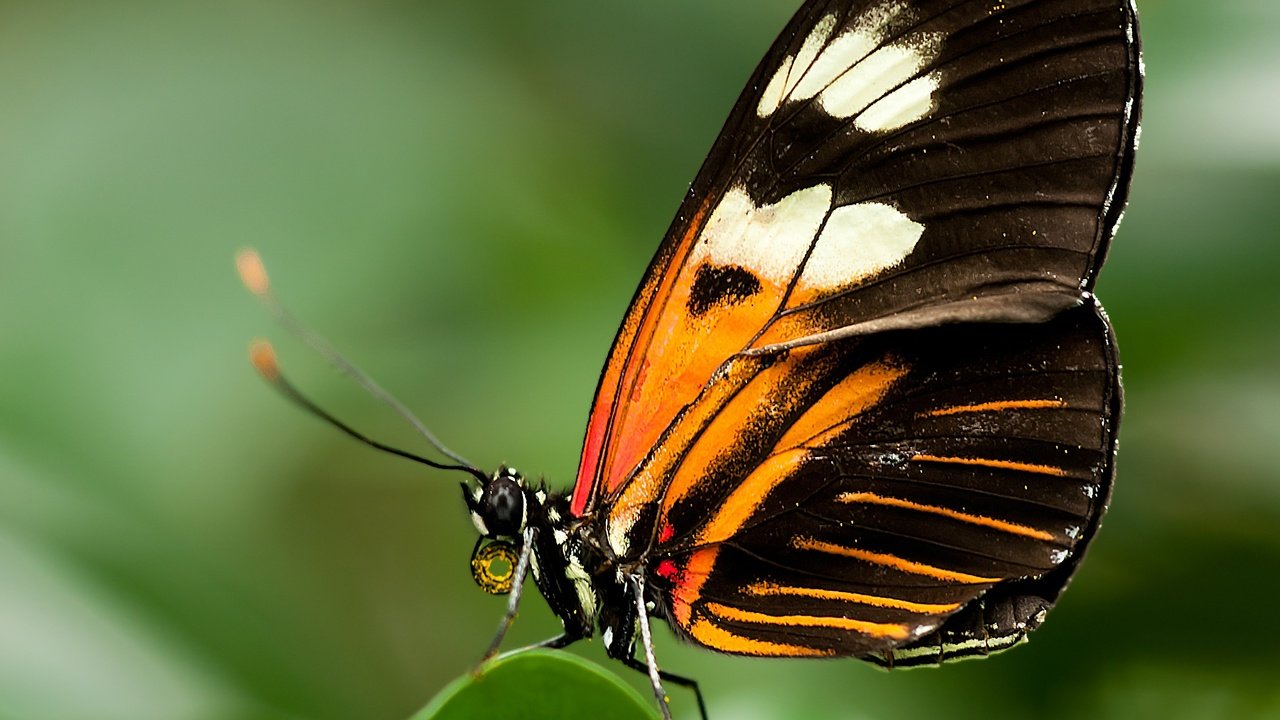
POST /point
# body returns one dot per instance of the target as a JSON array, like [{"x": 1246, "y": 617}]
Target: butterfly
[{"x": 864, "y": 402}]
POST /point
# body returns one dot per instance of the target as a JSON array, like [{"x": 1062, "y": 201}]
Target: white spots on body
[
  {"x": 857, "y": 242},
  {"x": 561, "y": 537},
  {"x": 607, "y": 636},
  {"x": 581, "y": 586},
  {"x": 618, "y": 527}
]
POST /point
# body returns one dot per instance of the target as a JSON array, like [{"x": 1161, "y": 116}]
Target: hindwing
[{"x": 862, "y": 498}]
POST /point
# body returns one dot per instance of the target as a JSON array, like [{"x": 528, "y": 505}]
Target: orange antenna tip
[
  {"x": 252, "y": 272},
  {"x": 263, "y": 357}
]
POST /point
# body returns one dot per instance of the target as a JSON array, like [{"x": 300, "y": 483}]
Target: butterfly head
[{"x": 500, "y": 511}]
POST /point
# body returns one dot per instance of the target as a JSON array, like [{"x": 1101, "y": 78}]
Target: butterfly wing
[
  {"x": 892, "y": 164},
  {"x": 886, "y": 484}
]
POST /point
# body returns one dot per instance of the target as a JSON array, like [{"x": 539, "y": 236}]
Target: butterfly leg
[
  {"x": 650, "y": 664},
  {"x": 680, "y": 680},
  {"x": 513, "y": 600}
]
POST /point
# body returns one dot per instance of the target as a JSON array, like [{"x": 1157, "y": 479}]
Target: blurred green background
[{"x": 463, "y": 197}]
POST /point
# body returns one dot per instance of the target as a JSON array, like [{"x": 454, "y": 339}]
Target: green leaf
[{"x": 538, "y": 684}]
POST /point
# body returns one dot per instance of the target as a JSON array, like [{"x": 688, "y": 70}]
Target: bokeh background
[{"x": 463, "y": 196}]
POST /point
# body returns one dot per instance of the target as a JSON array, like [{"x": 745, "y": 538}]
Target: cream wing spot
[
  {"x": 844, "y": 52},
  {"x": 901, "y": 107},
  {"x": 813, "y": 44},
  {"x": 859, "y": 241},
  {"x": 769, "y": 241},
  {"x": 814, "y": 74},
  {"x": 773, "y": 93},
  {"x": 878, "y": 75}
]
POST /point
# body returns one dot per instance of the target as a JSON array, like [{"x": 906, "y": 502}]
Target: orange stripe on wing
[
  {"x": 893, "y": 631},
  {"x": 893, "y": 561},
  {"x": 861, "y": 390},
  {"x": 649, "y": 480},
  {"x": 776, "y": 389},
  {"x": 997, "y": 406},
  {"x": 988, "y": 462},
  {"x": 837, "y": 407},
  {"x": 747, "y": 496},
  {"x": 691, "y": 579},
  {"x": 1014, "y": 528},
  {"x": 765, "y": 588},
  {"x": 714, "y": 636}
]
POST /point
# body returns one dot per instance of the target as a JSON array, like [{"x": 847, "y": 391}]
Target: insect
[{"x": 864, "y": 402}]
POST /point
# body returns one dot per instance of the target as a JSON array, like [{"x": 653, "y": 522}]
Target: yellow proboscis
[{"x": 494, "y": 567}]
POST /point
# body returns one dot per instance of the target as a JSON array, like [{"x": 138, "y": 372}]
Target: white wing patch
[
  {"x": 774, "y": 91},
  {"x": 853, "y": 243},
  {"x": 794, "y": 67},
  {"x": 857, "y": 76},
  {"x": 857, "y": 242},
  {"x": 878, "y": 76},
  {"x": 769, "y": 241},
  {"x": 905, "y": 105}
]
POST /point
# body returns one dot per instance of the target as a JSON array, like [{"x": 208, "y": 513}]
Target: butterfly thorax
[{"x": 572, "y": 570}]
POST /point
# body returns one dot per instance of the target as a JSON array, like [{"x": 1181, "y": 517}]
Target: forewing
[
  {"x": 892, "y": 164},
  {"x": 885, "y": 492}
]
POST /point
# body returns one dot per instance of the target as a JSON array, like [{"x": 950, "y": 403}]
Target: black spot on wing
[{"x": 720, "y": 284}]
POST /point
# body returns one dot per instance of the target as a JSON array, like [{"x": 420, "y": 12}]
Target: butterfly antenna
[{"x": 254, "y": 276}]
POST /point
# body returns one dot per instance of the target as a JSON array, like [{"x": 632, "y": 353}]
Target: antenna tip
[
  {"x": 252, "y": 272},
  {"x": 263, "y": 357}
]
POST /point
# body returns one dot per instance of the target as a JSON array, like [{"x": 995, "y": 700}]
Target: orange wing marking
[
  {"x": 621, "y": 368},
  {"x": 842, "y": 404},
  {"x": 873, "y": 499},
  {"x": 997, "y": 406},
  {"x": 893, "y": 631},
  {"x": 750, "y": 493},
  {"x": 892, "y": 561},
  {"x": 778, "y": 388},
  {"x": 987, "y": 462},
  {"x": 835, "y": 410},
  {"x": 766, "y": 589},
  {"x": 649, "y": 480},
  {"x": 689, "y": 587},
  {"x": 714, "y": 636}
]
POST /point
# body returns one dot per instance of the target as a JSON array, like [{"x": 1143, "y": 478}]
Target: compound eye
[
  {"x": 494, "y": 567},
  {"x": 504, "y": 507}
]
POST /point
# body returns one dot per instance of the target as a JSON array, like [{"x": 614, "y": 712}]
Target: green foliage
[{"x": 538, "y": 685}]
